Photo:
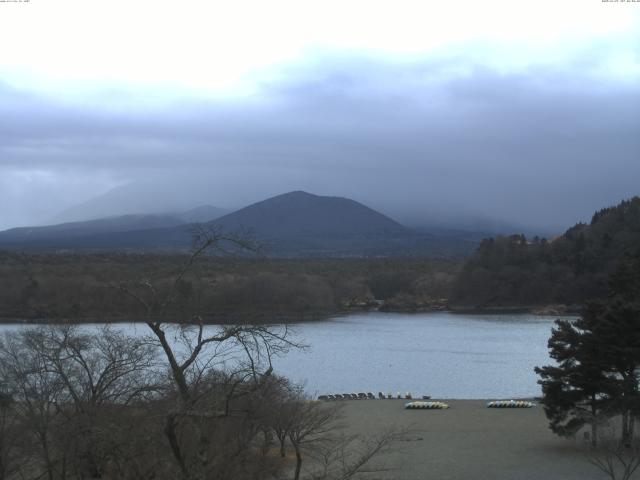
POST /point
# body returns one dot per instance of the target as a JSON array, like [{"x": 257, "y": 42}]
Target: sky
[{"x": 522, "y": 112}]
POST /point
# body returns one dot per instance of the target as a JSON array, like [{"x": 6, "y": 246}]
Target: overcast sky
[{"x": 526, "y": 112}]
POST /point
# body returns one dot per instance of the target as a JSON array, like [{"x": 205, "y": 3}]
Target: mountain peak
[
  {"x": 297, "y": 193},
  {"x": 299, "y": 213}
]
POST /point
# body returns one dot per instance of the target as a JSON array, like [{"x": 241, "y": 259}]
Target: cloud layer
[{"x": 418, "y": 138}]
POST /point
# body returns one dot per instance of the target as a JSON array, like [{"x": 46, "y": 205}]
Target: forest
[
  {"x": 86, "y": 287},
  {"x": 514, "y": 271},
  {"x": 506, "y": 272}
]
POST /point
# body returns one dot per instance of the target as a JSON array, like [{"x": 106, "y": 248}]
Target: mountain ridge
[{"x": 291, "y": 224}]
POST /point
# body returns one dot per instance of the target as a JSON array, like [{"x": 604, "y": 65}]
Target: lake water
[{"x": 439, "y": 354}]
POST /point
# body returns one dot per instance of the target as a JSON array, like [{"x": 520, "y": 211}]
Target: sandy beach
[{"x": 469, "y": 441}]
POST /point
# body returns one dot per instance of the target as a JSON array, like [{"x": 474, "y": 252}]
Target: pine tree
[
  {"x": 577, "y": 391},
  {"x": 617, "y": 327},
  {"x": 598, "y": 356}
]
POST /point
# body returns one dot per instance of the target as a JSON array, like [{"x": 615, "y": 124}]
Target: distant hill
[
  {"x": 77, "y": 230},
  {"x": 516, "y": 271},
  {"x": 303, "y": 214},
  {"x": 141, "y": 231},
  {"x": 292, "y": 224},
  {"x": 301, "y": 224}
]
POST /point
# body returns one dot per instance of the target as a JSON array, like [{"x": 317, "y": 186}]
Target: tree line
[
  {"x": 79, "y": 287},
  {"x": 521, "y": 272}
]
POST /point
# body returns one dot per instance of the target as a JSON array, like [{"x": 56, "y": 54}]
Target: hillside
[
  {"x": 513, "y": 271},
  {"x": 123, "y": 231},
  {"x": 301, "y": 214},
  {"x": 77, "y": 230},
  {"x": 295, "y": 224}
]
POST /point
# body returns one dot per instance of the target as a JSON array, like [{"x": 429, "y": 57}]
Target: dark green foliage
[
  {"x": 576, "y": 391},
  {"x": 598, "y": 357},
  {"x": 514, "y": 271}
]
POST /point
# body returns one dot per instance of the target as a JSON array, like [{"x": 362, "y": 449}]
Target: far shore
[
  {"x": 277, "y": 318},
  {"x": 470, "y": 441}
]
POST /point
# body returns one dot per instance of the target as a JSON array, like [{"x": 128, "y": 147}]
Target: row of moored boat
[
  {"x": 494, "y": 404},
  {"x": 368, "y": 396},
  {"x": 510, "y": 404}
]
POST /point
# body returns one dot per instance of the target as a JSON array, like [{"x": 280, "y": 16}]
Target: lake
[{"x": 445, "y": 355}]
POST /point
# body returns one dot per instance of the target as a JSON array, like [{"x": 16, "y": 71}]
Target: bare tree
[
  {"x": 102, "y": 373},
  {"x": 98, "y": 368},
  {"x": 617, "y": 458},
  {"x": 197, "y": 350},
  {"x": 36, "y": 393},
  {"x": 10, "y": 436},
  {"x": 282, "y": 420},
  {"x": 347, "y": 456},
  {"x": 315, "y": 431},
  {"x": 310, "y": 423}
]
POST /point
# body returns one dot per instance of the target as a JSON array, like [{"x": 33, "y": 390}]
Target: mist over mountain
[
  {"x": 201, "y": 214},
  {"x": 430, "y": 223},
  {"x": 292, "y": 224},
  {"x": 159, "y": 195},
  {"x": 83, "y": 234},
  {"x": 150, "y": 196}
]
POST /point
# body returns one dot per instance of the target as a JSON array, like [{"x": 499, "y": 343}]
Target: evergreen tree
[
  {"x": 576, "y": 392},
  {"x": 598, "y": 356},
  {"x": 617, "y": 328},
  {"x": 569, "y": 269}
]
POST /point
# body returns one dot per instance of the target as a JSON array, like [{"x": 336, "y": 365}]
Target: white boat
[
  {"x": 426, "y": 405},
  {"x": 510, "y": 404}
]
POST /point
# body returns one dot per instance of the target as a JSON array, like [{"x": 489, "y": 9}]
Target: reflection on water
[{"x": 440, "y": 354}]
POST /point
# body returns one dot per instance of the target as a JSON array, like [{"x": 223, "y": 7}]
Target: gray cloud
[{"x": 419, "y": 140}]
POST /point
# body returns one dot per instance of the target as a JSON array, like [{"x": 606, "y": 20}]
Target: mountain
[
  {"x": 103, "y": 231},
  {"x": 300, "y": 224},
  {"x": 292, "y": 224},
  {"x": 76, "y": 231},
  {"x": 569, "y": 269},
  {"x": 301, "y": 214}
]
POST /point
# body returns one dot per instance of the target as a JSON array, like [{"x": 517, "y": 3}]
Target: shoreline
[{"x": 288, "y": 318}]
